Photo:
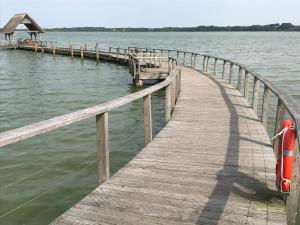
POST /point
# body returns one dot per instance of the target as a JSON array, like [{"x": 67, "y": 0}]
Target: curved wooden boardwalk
[{"x": 211, "y": 164}]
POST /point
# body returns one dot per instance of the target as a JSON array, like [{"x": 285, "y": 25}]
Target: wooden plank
[
  {"x": 224, "y": 70},
  {"x": 103, "y": 146},
  {"x": 246, "y": 85}
]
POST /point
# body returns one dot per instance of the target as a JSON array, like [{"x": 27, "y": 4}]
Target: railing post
[
  {"x": 168, "y": 103},
  {"x": 169, "y": 52},
  {"x": 169, "y": 66},
  {"x": 239, "y": 78},
  {"x": 224, "y": 70},
  {"x": 147, "y": 119},
  {"x": 184, "y": 55},
  {"x": 246, "y": 85},
  {"x": 102, "y": 146},
  {"x": 279, "y": 118},
  {"x": 81, "y": 52},
  {"x": 97, "y": 51},
  {"x": 215, "y": 66},
  {"x": 265, "y": 107},
  {"x": 177, "y": 58},
  {"x": 255, "y": 94},
  {"x": 231, "y": 73},
  {"x": 206, "y": 66}
]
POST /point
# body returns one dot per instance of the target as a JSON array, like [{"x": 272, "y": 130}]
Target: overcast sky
[{"x": 152, "y": 13}]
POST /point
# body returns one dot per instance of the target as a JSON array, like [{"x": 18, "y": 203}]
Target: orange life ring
[{"x": 285, "y": 157}]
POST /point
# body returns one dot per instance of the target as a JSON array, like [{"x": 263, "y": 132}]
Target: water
[{"x": 38, "y": 174}]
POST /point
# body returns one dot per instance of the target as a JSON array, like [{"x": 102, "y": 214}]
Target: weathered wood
[
  {"x": 184, "y": 56},
  {"x": 147, "y": 119},
  {"x": 53, "y": 50},
  {"x": 280, "y": 113},
  {"x": 215, "y": 66},
  {"x": 103, "y": 146},
  {"x": 177, "y": 56},
  {"x": 231, "y": 73},
  {"x": 204, "y": 64},
  {"x": 97, "y": 51},
  {"x": 207, "y": 65},
  {"x": 35, "y": 47},
  {"x": 224, "y": 70},
  {"x": 81, "y": 53},
  {"x": 168, "y": 103},
  {"x": 240, "y": 78},
  {"x": 265, "y": 107},
  {"x": 71, "y": 50},
  {"x": 246, "y": 85},
  {"x": 255, "y": 94}
]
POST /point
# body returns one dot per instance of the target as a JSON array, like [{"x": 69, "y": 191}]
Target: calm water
[{"x": 43, "y": 176}]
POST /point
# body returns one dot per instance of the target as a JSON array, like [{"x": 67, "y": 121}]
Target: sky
[{"x": 152, "y": 13}]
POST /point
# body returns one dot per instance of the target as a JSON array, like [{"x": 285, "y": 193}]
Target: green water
[{"x": 39, "y": 177}]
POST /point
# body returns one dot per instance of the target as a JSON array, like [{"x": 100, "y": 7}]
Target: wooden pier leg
[
  {"x": 110, "y": 56},
  {"x": 85, "y": 48},
  {"x": 147, "y": 119},
  {"x": 231, "y": 73},
  {"x": 118, "y": 50},
  {"x": 43, "y": 51},
  {"x": 279, "y": 118},
  {"x": 102, "y": 138},
  {"x": 224, "y": 70},
  {"x": 265, "y": 107},
  {"x": 215, "y": 67},
  {"x": 72, "y": 51},
  {"x": 81, "y": 53},
  {"x": 246, "y": 85},
  {"x": 168, "y": 103},
  {"x": 97, "y": 51},
  {"x": 255, "y": 94},
  {"x": 240, "y": 78},
  {"x": 35, "y": 47},
  {"x": 53, "y": 50}
]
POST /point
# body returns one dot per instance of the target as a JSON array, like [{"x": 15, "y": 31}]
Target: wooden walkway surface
[{"x": 211, "y": 164}]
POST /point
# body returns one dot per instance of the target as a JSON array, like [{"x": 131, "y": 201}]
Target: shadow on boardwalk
[{"x": 259, "y": 192}]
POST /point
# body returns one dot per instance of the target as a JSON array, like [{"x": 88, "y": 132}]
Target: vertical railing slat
[
  {"x": 147, "y": 119},
  {"x": 102, "y": 139}
]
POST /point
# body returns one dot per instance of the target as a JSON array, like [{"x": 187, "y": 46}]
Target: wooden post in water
[
  {"x": 118, "y": 50},
  {"x": 102, "y": 146},
  {"x": 35, "y": 47},
  {"x": 246, "y": 85},
  {"x": 265, "y": 107},
  {"x": 147, "y": 119},
  {"x": 224, "y": 70},
  {"x": 85, "y": 47},
  {"x": 168, "y": 103},
  {"x": 215, "y": 66},
  {"x": 81, "y": 53},
  {"x": 110, "y": 53},
  {"x": 231, "y": 73},
  {"x": 97, "y": 51},
  {"x": 71, "y": 50},
  {"x": 42, "y": 48},
  {"x": 255, "y": 94},
  {"x": 239, "y": 78},
  {"x": 53, "y": 49}
]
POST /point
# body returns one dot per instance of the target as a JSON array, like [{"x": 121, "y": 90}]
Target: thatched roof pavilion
[{"x": 21, "y": 18}]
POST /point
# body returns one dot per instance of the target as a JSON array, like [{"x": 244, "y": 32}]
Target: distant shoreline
[{"x": 254, "y": 28}]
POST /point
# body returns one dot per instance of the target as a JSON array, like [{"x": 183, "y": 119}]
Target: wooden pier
[{"x": 213, "y": 162}]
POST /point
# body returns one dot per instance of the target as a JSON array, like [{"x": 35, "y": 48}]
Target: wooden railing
[{"x": 172, "y": 89}]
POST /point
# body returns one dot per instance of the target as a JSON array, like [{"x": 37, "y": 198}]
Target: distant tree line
[{"x": 269, "y": 27}]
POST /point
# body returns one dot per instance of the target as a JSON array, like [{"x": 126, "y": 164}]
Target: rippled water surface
[{"x": 43, "y": 176}]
